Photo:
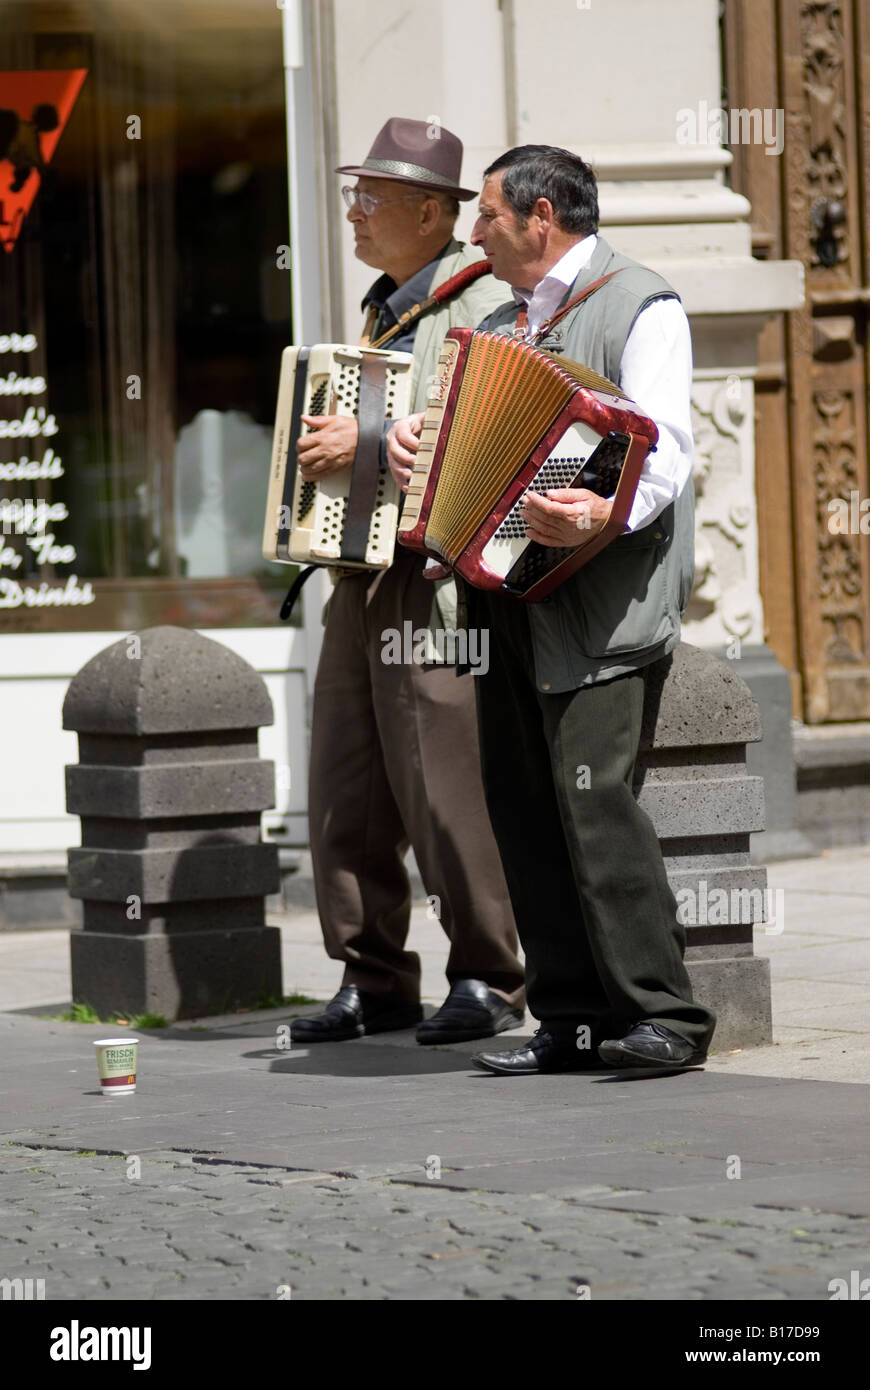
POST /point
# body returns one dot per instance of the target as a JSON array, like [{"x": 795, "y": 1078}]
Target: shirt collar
[
  {"x": 564, "y": 272},
  {"x": 384, "y": 293}
]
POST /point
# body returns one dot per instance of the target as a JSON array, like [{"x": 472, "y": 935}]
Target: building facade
[{"x": 184, "y": 224}]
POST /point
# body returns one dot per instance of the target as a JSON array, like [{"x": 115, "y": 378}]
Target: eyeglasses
[{"x": 368, "y": 202}]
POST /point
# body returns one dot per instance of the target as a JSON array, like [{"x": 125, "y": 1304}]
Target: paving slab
[
  {"x": 357, "y": 1106},
  {"x": 825, "y": 1016},
  {"x": 842, "y": 871},
  {"x": 839, "y": 1191},
  {"x": 804, "y": 958}
]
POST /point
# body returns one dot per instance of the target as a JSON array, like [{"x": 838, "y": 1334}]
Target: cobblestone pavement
[{"x": 192, "y": 1228}]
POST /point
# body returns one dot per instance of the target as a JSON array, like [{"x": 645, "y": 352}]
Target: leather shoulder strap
[
  {"x": 450, "y": 288},
  {"x": 544, "y": 329}
]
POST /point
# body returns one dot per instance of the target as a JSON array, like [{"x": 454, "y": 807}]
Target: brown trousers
[{"x": 395, "y": 761}]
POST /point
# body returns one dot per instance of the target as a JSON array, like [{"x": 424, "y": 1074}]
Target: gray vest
[{"x": 622, "y": 610}]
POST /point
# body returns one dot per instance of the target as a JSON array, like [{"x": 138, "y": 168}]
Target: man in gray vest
[
  {"x": 560, "y": 708},
  {"x": 394, "y": 746}
]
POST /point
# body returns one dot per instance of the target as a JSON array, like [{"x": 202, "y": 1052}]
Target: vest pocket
[{"x": 619, "y": 603}]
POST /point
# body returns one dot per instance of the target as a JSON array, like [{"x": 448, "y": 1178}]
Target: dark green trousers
[{"x": 595, "y": 913}]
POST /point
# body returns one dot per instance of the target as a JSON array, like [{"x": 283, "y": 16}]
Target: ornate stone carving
[{"x": 724, "y": 602}]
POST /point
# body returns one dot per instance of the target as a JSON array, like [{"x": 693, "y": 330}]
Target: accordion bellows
[
  {"x": 349, "y": 517},
  {"x": 504, "y": 418}
]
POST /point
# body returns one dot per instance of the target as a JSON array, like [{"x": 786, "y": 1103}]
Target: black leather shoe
[
  {"x": 471, "y": 1010},
  {"x": 545, "y": 1053},
  {"x": 651, "y": 1045},
  {"x": 351, "y": 1014}
]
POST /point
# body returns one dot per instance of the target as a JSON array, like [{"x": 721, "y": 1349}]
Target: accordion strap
[
  {"x": 367, "y": 460},
  {"x": 294, "y": 591},
  {"x": 544, "y": 328},
  {"x": 455, "y": 285}
]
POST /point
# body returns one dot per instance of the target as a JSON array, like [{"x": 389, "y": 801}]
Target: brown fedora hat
[{"x": 408, "y": 152}]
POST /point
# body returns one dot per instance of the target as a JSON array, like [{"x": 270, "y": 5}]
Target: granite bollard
[
  {"x": 169, "y": 787},
  {"x": 692, "y": 781}
]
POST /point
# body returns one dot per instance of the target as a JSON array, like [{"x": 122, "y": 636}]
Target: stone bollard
[
  {"x": 691, "y": 780},
  {"x": 170, "y": 787}
]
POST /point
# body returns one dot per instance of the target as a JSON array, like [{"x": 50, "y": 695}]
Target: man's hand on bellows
[
  {"x": 564, "y": 516},
  {"x": 403, "y": 442},
  {"x": 330, "y": 447}
]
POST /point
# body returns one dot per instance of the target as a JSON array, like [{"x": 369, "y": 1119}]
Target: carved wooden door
[{"x": 812, "y": 59}]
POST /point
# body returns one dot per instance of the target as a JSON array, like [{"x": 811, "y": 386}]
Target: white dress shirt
[{"x": 655, "y": 372}]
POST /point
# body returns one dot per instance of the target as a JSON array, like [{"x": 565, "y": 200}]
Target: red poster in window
[{"x": 34, "y": 108}]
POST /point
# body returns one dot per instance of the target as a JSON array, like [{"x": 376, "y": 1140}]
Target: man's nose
[{"x": 476, "y": 238}]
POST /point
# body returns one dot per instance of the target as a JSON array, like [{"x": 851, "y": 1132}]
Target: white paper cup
[{"x": 117, "y": 1061}]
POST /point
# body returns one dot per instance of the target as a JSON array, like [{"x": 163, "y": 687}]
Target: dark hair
[
  {"x": 449, "y": 204},
  {"x": 545, "y": 171}
]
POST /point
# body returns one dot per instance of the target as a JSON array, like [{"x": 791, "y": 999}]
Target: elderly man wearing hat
[{"x": 394, "y": 754}]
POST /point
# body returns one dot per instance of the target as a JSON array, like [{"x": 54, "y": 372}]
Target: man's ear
[
  {"x": 430, "y": 211},
  {"x": 543, "y": 210}
]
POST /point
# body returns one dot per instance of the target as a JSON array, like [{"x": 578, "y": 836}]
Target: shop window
[{"x": 144, "y": 304}]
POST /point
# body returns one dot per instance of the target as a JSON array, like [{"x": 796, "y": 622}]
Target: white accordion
[{"x": 348, "y": 518}]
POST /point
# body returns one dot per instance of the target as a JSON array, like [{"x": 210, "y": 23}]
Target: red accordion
[{"x": 505, "y": 418}]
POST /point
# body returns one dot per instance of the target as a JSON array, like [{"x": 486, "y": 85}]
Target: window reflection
[{"x": 146, "y": 273}]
